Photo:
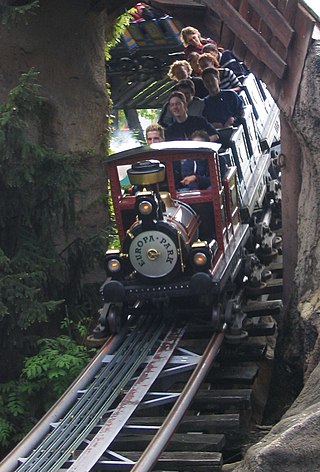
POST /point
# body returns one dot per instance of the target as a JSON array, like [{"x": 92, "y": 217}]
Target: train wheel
[
  {"x": 217, "y": 317},
  {"x": 115, "y": 318},
  {"x": 101, "y": 331}
]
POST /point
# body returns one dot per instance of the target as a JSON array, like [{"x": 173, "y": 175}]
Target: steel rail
[
  {"x": 39, "y": 431},
  {"x": 102, "y": 440},
  {"x": 161, "y": 439},
  {"x": 86, "y": 413},
  {"x": 103, "y": 395}
]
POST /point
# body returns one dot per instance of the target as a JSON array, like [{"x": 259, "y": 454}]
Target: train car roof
[{"x": 183, "y": 146}]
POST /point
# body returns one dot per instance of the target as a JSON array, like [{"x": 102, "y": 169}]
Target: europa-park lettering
[{"x": 141, "y": 242}]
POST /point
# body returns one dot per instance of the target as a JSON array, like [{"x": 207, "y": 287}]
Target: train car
[{"x": 183, "y": 251}]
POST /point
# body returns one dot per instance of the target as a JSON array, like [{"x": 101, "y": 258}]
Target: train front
[{"x": 161, "y": 251}]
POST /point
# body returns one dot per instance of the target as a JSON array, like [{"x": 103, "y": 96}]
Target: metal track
[
  {"x": 101, "y": 441},
  {"x": 99, "y": 396},
  {"x": 157, "y": 445}
]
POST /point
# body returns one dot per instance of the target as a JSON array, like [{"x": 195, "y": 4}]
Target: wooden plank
[
  {"x": 187, "y": 461},
  {"x": 254, "y": 42},
  {"x": 273, "y": 286},
  {"x": 260, "y": 329},
  {"x": 275, "y": 43},
  {"x": 178, "y": 442},
  {"x": 303, "y": 25},
  {"x": 250, "y": 59},
  {"x": 290, "y": 11},
  {"x": 272, "y": 40},
  {"x": 211, "y": 399},
  {"x": 239, "y": 48},
  {"x": 227, "y": 38},
  {"x": 273, "y": 18},
  {"x": 245, "y": 352},
  {"x": 259, "y": 308},
  {"x": 213, "y": 424},
  {"x": 274, "y": 84},
  {"x": 280, "y": 4},
  {"x": 233, "y": 374}
]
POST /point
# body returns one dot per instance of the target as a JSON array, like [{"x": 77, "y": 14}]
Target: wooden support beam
[
  {"x": 275, "y": 21},
  {"x": 303, "y": 25},
  {"x": 253, "y": 40},
  {"x": 240, "y": 49}
]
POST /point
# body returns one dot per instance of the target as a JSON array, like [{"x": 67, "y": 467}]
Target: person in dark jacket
[
  {"x": 228, "y": 79},
  {"x": 195, "y": 104},
  {"x": 185, "y": 125},
  {"x": 195, "y": 173},
  {"x": 222, "y": 108},
  {"x": 227, "y": 59}
]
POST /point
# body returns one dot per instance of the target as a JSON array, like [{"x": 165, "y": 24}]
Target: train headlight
[
  {"x": 114, "y": 263},
  {"x": 113, "y": 266},
  {"x": 200, "y": 259},
  {"x": 200, "y": 256},
  {"x": 145, "y": 208}
]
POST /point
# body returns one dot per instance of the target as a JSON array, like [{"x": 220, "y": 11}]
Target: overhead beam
[
  {"x": 274, "y": 20},
  {"x": 253, "y": 40}
]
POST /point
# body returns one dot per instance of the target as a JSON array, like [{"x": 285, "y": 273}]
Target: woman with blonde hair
[{"x": 193, "y": 41}]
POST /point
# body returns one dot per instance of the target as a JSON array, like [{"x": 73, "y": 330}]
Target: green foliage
[
  {"x": 149, "y": 114},
  {"x": 44, "y": 377},
  {"x": 59, "y": 361},
  {"x": 37, "y": 284},
  {"x": 38, "y": 187},
  {"x": 112, "y": 232},
  {"x": 118, "y": 28},
  {"x": 22, "y": 291},
  {"x": 11, "y": 14},
  {"x": 76, "y": 328},
  {"x": 38, "y": 184}
]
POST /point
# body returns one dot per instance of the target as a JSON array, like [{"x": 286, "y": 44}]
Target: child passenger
[{"x": 195, "y": 173}]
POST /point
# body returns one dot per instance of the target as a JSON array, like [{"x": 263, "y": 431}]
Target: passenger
[
  {"x": 193, "y": 60},
  {"x": 154, "y": 133},
  {"x": 228, "y": 79},
  {"x": 222, "y": 108},
  {"x": 136, "y": 13},
  {"x": 226, "y": 59},
  {"x": 208, "y": 60},
  {"x": 196, "y": 173},
  {"x": 193, "y": 41},
  {"x": 185, "y": 125},
  {"x": 195, "y": 104},
  {"x": 142, "y": 11},
  {"x": 181, "y": 70}
]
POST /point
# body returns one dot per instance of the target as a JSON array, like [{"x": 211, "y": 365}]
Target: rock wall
[
  {"x": 306, "y": 121},
  {"x": 64, "y": 41}
]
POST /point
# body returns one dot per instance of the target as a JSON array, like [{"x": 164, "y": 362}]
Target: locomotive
[{"x": 184, "y": 251}]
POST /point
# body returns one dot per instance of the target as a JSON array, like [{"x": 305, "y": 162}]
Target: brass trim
[{"x": 147, "y": 178}]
